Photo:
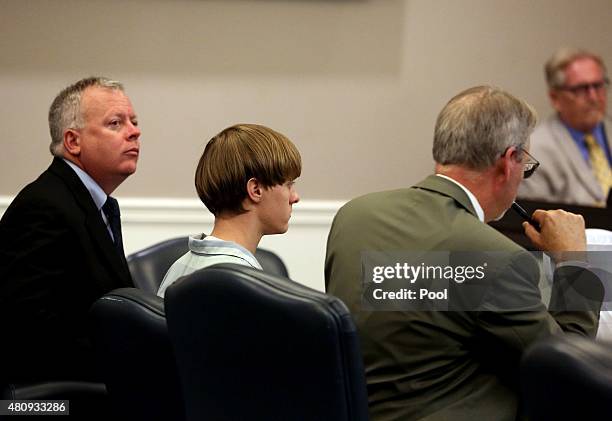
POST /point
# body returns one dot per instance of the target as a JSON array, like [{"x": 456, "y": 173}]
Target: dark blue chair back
[{"x": 250, "y": 345}]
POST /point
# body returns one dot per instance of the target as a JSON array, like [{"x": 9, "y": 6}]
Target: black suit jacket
[{"x": 56, "y": 259}]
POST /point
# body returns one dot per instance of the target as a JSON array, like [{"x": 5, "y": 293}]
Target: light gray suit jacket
[{"x": 563, "y": 176}]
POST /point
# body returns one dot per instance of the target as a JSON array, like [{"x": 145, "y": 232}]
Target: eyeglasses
[
  {"x": 530, "y": 166},
  {"x": 583, "y": 89}
]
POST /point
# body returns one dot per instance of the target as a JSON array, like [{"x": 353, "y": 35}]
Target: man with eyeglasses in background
[{"x": 573, "y": 145}]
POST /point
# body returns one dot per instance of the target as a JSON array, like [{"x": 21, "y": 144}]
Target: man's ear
[
  {"x": 254, "y": 190},
  {"x": 72, "y": 142},
  {"x": 505, "y": 163}
]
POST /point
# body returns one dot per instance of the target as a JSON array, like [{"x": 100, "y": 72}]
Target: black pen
[{"x": 523, "y": 213}]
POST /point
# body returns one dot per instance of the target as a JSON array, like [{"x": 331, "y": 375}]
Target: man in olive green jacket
[{"x": 462, "y": 364}]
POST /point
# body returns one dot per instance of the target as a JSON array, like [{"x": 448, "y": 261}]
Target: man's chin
[
  {"x": 594, "y": 118},
  {"x": 128, "y": 170}
]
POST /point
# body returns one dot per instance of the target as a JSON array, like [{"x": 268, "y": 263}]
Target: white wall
[{"x": 356, "y": 84}]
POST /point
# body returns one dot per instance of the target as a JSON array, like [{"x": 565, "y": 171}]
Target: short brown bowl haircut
[{"x": 237, "y": 154}]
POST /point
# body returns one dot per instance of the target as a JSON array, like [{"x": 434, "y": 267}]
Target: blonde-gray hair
[
  {"x": 555, "y": 66},
  {"x": 65, "y": 111},
  {"x": 476, "y": 126}
]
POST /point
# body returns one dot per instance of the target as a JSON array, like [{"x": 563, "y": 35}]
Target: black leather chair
[
  {"x": 253, "y": 346},
  {"x": 87, "y": 400},
  {"x": 148, "y": 266},
  {"x": 567, "y": 378},
  {"x": 53, "y": 390},
  {"x": 271, "y": 263},
  {"x": 135, "y": 355}
]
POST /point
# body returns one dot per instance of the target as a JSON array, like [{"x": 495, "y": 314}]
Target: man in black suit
[{"x": 60, "y": 239}]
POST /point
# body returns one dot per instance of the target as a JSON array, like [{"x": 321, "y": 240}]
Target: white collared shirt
[{"x": 470, "y": 195}]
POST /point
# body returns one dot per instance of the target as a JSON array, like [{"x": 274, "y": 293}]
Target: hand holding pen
[
  {"x": 523, "y": 214},
  {"x": 554, "y": 231}
]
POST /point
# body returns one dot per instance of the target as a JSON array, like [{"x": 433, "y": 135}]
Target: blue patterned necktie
[{"x": 113, "y": 216}]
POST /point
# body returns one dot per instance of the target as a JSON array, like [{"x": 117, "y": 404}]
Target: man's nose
[{"x": 134, "y": 132}]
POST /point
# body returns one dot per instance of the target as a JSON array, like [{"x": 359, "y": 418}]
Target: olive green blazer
[{"x": 440, "y": 365}]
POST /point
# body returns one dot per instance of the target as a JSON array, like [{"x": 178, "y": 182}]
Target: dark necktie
[{"x": 113, "y": 216}]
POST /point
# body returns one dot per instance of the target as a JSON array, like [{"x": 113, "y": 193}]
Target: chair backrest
[
  {"x": 251, "y": 345},
  {"x": 567, "y": 378},
  {"x": 148, "y": 266},
  {"x": 135, "y": 356},
  {"x": 271, "y": 263}
]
